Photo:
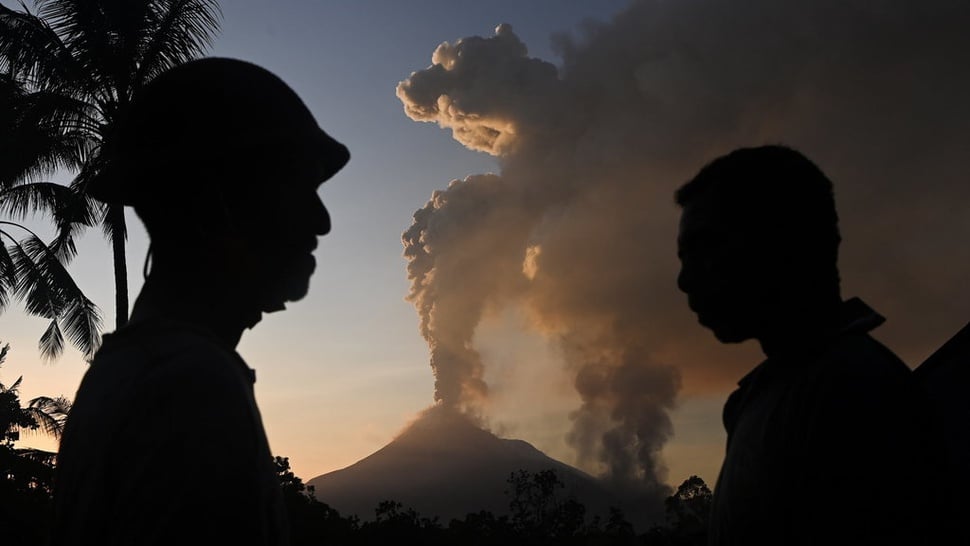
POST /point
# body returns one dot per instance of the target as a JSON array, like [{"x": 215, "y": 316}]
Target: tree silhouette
[
  {"x": 26, "y": 475},
  {"x": 311, "y": 521},
  {"x": 538, "y": 511},
  {"x": 76, "y": 64},
  {"x": 30, "y": 269},
  {"x": 687, "y": 514},
  {"x": 539, "y": 515}
]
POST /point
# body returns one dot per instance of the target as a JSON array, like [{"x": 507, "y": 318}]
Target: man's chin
[
  {"x": 292, "y": 292},
  {"x": 730, "y": 337},
  {"x": 726, "y": 334}
]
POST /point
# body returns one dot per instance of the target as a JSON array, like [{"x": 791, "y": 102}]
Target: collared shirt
[
  {"x": 822, "y": 447},
  {"x": 165, "y": 445}
]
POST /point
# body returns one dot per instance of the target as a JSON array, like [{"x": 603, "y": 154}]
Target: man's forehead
[
  {"x": 707, "y": 220},
  {"x": 700, "y": 215}
]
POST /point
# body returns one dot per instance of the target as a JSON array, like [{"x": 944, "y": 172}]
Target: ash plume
[{"x": 579, "y": 227}]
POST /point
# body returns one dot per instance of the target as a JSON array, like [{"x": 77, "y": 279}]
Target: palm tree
[
  {"x": 76, "y": 64},
  {"x": 30, "y": 269},
  {"x": 44, "y": 414},
  {"x": 12, "y": 417}
]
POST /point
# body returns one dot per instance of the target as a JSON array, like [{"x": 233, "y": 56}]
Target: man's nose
[
  {"x": 320, "y": 217},
  {"x": 683, "y": 278}
]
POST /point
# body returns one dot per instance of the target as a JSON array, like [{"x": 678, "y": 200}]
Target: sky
[{"x": 538, "y": 290}]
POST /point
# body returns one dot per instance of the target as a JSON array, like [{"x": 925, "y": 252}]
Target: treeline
[
  {"x": 538, "y": 513},
  {"x": 537, "y": 516}
]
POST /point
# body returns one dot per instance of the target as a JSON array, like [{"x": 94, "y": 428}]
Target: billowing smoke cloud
[
  {"x": 460, "y": 260},
  {"x": 579, "y": 228}
]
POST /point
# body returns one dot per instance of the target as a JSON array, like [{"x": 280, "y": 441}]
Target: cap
[{"x": 205, "y": 116}]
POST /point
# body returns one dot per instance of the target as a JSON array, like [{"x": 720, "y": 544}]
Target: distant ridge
[{"x": 444, "y": 465}]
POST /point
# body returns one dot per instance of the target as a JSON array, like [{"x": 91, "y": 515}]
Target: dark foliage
[
  {"x": 26, "y": 475},
  {"x": 538, "y": 513},
  {"x": 686, "y": 513}
]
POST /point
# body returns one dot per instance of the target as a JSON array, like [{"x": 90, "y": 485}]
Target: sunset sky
[{"x": 563, "y": 264}]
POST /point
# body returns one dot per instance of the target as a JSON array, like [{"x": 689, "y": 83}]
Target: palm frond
[
  {"x": 34, "y": 285},
  {"x": 82, "y": 322},
  {"x": 56, "y": 111},
  {"x": 44, "y": 131},
  {"x": 8, "y": 281},
  {"x": 32, "y": 52},
  {"x": 71, "y": 211},
  {"x": 92, "y": 169},
  {"x": 11, "y": 88},
  {"x": 16, "y": 385},
  {"x": 38, "y": 456},
  {"x": 24, "y": 200},
  {"x": 78, "y": 214},
  {"x": 79, "y": 318},
  {"x": 49, "y": 291},
  {"x": 35, "y": 155},
  {"x": 105, "y": 38},
  {"x": 113, "y": 222},
  {"x": 50, "y": 413},
  {"x": 52, "y": 341},
  {"x": 84, "y": 30},
  {"x": 58, "y": 406},
  {"x": 183, "y": 30}
]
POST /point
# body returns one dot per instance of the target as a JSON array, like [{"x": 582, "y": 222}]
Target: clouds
[
  {"x": 488, "y": 91},
  {"x": 579, "y": 228}
]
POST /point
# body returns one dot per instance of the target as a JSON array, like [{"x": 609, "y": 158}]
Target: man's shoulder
[
  {"x": 160, "y": 336},
  {"x": 860, "y": 355},
  {"x": 856, "y": 354},
  {"x": 161, "y": 352},
  {"x": 859, "y": 375}
]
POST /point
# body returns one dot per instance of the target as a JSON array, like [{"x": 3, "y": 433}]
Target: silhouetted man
[
  {"x": 823, "y": 435},
  {"x": 221, "y": 160}
]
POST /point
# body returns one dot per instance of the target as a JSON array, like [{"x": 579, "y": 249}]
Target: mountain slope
[{"x": 444, "y": 465}]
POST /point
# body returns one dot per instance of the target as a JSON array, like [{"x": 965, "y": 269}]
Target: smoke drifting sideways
[{"x": 579, "y": 228}]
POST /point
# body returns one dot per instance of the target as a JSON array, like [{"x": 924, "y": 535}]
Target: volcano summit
[{"x": 445, "y": 465}]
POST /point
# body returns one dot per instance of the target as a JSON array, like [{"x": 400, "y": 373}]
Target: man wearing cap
[{"x": 221, "y": 160}]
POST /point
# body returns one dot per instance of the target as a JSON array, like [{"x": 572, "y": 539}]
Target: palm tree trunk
[{"x": 116, "y": 217}]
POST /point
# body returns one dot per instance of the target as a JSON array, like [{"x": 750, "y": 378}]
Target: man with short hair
[
  {"x": 824, "y": 435},
  {"x": 221, "y": 160}
]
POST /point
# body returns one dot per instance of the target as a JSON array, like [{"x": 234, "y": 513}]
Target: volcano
[{"x": 444, "y": 465}]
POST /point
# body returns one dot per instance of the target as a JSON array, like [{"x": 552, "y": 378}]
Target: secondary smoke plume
[{"x": 579, "y": 228}]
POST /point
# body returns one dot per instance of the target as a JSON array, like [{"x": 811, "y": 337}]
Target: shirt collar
[{"x": 855, "y": 317}]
